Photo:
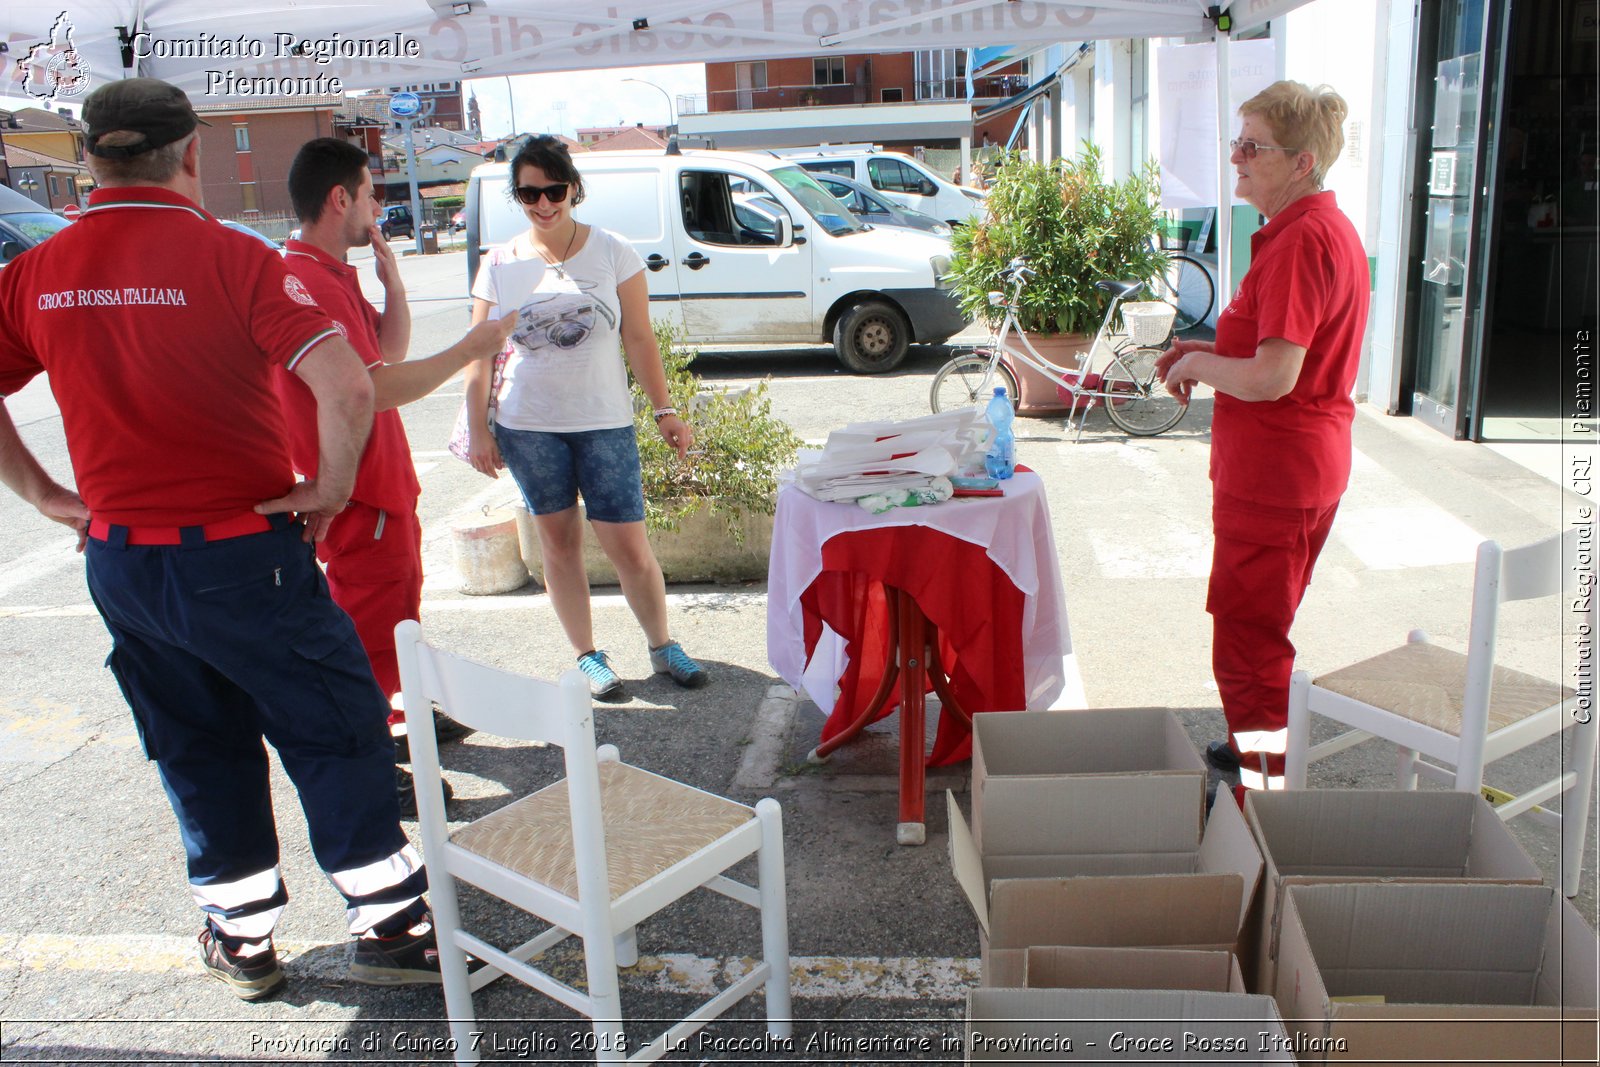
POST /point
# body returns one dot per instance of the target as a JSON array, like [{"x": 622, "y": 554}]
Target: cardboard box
[
  {"x": 1090, "y": 1026},
  {"x": 1145, "y": 882},
  {"x": 1337, "y": 835},
  {"x": 1052, "y": 782},
  {"x": 1466, "y": 972},
  {"x": 1077, "y": 967}
]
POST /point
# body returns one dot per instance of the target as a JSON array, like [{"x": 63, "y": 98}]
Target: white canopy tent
[{"x": 57, "y": 51}]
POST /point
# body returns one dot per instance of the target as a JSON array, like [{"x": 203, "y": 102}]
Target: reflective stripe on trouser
[
  {"x": 246, "y": 908},
  {"x": 219, "y": 646},
  {"x": 380, "y": 889},
  {"x": 1260, "y": 568}
]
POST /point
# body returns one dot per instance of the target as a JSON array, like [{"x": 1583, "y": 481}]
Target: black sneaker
[
  {"x": 408, "y": 792},
  {"x": 251, "y": 977},
  {"x": 409, "y": 958},
  {"x": 1221, "y": 756}
]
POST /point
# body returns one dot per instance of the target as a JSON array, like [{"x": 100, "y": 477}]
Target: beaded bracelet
[{"x": 661, "y": 413}]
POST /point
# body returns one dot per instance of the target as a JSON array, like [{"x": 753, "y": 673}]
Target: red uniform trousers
[
  {"x": 1260, "y": 568},
  {"x": 374, "y": 564}
]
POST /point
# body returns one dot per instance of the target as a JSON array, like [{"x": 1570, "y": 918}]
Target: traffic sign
[
  {"x": 404, "y": 105},
  {"x": 71, "y": 211}
]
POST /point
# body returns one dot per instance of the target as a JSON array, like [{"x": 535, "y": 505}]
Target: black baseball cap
[{"x": 148, "y": 106}]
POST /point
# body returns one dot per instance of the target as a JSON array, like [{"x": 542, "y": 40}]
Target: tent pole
[{"x": 1224, "y": 184}]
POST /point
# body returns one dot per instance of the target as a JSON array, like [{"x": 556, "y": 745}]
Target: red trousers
[
  {"x": 1260, "y": 569},
  {"x": 374, "y": 564}
]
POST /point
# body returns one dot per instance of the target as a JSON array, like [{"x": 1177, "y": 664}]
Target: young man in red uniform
[
  {"x": 373, "y": 550},
  {"x": 223, "y": 633}
]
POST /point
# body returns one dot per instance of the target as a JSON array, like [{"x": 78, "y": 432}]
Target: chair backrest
[
  {"x": 1546, "y": 567},
  {"x": 1543, "y": 568},
  {"x": 492, "y": 700}
]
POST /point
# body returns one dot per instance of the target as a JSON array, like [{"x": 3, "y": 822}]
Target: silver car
[{"x": 874, "y": 208}]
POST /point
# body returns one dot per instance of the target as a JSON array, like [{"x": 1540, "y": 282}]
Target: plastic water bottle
[{"x": 1002, "y": 458}]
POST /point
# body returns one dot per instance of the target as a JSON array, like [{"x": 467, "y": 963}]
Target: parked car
[
  {"x": 748, "y": 248},
  {"x": 257, "y": 234},
  {"x": 24, "y": 223},
  {"x": 395, "y": 221},
  {"x": 900, "y": 178},
  {"x": 872, "y": 207},
  {"x": 458, "y": 221}
]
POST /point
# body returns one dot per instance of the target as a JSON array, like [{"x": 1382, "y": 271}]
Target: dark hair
[
  {"x": 550, "y": 155},
  {"x": 318, "y": 167}
]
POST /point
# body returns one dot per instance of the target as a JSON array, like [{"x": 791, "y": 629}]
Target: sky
[{"x": 590, "y": 98}]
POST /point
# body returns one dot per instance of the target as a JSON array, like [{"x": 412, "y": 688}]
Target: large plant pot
[
  {"x": 1039, "y": 394},
  {"x": 700, "y": 550}
]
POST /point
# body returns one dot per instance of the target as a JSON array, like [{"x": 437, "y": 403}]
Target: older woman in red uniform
[{"x": 1283, "y": 366}]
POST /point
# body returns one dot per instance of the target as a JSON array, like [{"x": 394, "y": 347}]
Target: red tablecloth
[{"x": 976, "y": 607}]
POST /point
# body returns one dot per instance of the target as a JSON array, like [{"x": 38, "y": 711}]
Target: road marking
[{"x": 849, "y": 977}]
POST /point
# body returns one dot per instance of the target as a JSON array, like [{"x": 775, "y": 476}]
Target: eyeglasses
[
  {"x": 530, "y": 194},
  {"x": 1248, "y": 148}
]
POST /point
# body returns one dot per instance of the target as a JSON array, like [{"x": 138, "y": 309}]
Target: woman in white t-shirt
[{"x": 564, "y": 421}]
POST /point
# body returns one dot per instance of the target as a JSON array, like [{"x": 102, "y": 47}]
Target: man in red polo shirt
[
  {"x": 373, "y": 550},
  {"x": 223, "y": 633}
]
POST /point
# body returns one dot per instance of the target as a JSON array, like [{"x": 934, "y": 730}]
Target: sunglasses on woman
[
  {"x": 530, "y": 194},
  {"x": 1248, "y": 148}
]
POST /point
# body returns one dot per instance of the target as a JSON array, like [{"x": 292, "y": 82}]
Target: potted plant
[
  {"x": 710, "y": 517},
  {"x": 1074, "y": 228}
]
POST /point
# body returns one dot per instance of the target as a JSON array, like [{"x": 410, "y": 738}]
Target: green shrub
[
  {"x": 1072, "y": 226},
  {"x": 741, "y": 447}
]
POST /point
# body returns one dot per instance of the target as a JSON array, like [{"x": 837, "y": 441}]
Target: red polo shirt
[
  {"x": 1308, "y": 284},
  {"x": 159, "y": 328},
  {"x": 386, "y": 477}
]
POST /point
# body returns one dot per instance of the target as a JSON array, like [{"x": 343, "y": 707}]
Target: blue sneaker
[
  {"x": 671, "y": 659},
  {"x": 603, "y": 681}
]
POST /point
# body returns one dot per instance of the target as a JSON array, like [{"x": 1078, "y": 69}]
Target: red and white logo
[{"x": 297, "y": 291}]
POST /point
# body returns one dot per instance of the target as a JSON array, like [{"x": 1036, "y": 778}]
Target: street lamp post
[
  {"x": 511, "y": 97},
  {"x": 672, "y": 119},
  {"x": 28, "y": 183}
]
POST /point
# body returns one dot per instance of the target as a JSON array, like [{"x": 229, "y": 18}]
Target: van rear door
[
  {"x": 631, "y": 202},
  {"x": 741, "y": 280}
]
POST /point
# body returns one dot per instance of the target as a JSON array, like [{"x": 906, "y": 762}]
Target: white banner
[{"x": 1187, "y": 100}]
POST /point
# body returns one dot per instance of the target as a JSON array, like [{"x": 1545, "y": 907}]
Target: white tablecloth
[{"x": 1014, "y": 532}]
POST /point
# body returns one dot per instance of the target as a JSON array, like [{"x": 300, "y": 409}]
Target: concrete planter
[{"x": 700, "y": 550}]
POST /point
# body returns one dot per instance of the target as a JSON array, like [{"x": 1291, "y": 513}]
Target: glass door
[{"x": 1446, "y": 291}]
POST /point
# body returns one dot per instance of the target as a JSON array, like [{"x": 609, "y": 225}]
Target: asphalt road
[{"x": 96, "y": 939}]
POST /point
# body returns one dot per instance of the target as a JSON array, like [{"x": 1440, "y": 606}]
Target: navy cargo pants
[{"x": 220, "y": 645}]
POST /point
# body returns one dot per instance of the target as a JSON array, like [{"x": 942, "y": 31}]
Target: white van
[
  {"x": 899, "y": 177},
  {"x": 799, "y": 270}
]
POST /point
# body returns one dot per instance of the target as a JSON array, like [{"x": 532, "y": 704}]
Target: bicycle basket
[{"x": 1148, "y": 322}]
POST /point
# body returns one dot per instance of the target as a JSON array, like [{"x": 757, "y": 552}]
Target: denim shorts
[{"x": 551, "y": 469}]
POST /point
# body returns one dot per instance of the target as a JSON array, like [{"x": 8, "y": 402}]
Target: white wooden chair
[
  {"x": 593, "y": 854},
  {"x": 1465, "y": 710}
]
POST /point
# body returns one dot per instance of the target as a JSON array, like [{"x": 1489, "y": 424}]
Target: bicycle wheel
[
  {"x": 966, "y": 381},
  {"x": 1186, "y": 285},
  {"x": 1140, "y": 404}
]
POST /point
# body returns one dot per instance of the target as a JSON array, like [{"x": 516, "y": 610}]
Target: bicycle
[
  {"x": 1135, "y": 399},
  {"x": 1184, "y": 283}
]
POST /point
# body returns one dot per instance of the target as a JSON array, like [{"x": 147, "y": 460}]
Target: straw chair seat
[{"x": 651, "y": 824}]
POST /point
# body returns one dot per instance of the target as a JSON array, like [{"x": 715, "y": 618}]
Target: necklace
[{"x": 555, "y": 265}]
